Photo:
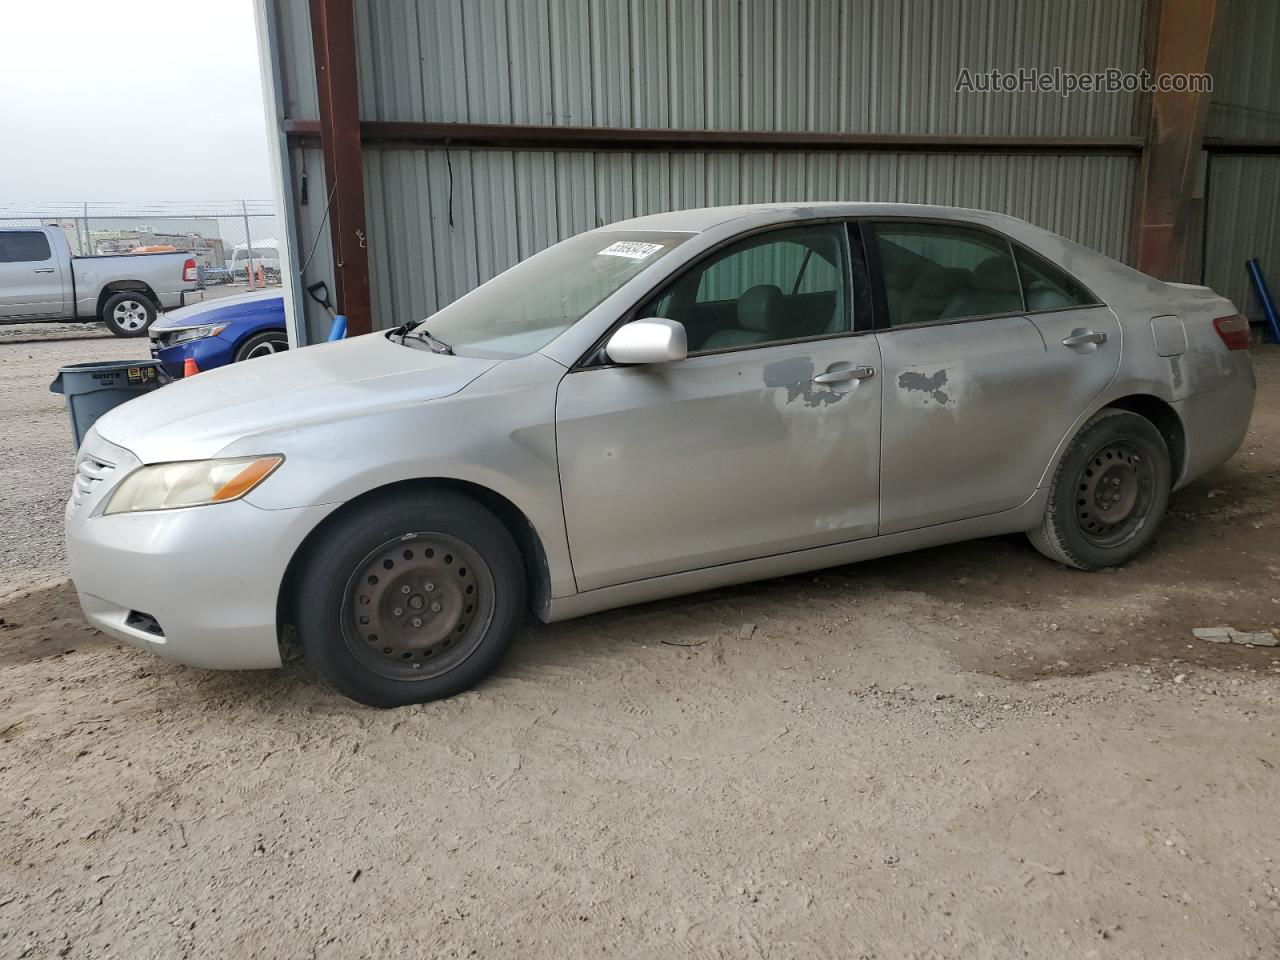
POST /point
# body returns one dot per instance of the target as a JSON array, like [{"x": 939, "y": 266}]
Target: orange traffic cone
[{"x": 189, "y": 368}]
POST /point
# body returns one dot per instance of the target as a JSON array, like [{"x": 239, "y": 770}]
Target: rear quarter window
[{"x": 1048, "y": 287}]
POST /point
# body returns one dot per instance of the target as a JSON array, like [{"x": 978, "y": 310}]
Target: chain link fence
[{"x": 236, "y": 243}]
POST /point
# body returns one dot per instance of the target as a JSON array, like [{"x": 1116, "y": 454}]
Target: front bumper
[
  {"x": 208, "y": 353},
  {"x": 209, "y": 576}
]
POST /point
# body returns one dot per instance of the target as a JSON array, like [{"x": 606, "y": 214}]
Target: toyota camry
[{"x": 659, "y": 406}]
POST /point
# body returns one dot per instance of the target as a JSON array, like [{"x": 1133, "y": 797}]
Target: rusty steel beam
[
  {"x": 1164, "y": 209},
  {"x": 338, "y": 132},
  {"x": 543, "y": 137}
]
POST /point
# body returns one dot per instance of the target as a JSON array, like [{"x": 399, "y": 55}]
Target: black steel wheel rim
[
  {"x": 1114, "y": 493},
  {"x": 417, "y": 606}
]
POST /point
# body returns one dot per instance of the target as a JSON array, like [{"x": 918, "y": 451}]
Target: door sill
[{"x": 1020, "y": 518}]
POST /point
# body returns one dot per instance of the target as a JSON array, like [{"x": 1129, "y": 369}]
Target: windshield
[{"x": 525, "y": 308}]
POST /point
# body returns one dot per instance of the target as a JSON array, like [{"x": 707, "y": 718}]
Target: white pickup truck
[{"x": 41, "y": 280}]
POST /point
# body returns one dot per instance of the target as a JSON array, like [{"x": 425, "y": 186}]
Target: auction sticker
[{"x": 631, "y": 249}]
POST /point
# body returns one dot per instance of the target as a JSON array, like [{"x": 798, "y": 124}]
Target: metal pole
[
  {"x": 333, "y": 34},
  {"x": 85, "y": 250},
  {"x": 1183, "y": 42},
  {"x": 248, "y": 242},
  {"x": 1264, "y": 297}
]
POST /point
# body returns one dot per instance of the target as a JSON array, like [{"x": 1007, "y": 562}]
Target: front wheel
[
  {"x": 409, "y": 597},
  {"x": 262, "y": 345},
  {"x": 1108, "y": 494},
  {"x": 129, "y": 313}
]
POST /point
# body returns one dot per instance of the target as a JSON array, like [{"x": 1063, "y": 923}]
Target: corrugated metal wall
[
  {"x": 1246, "y": 71},
  {"x": 888, "y": 66},
  {"x": 441, "y": 221},
  {"x": 1243, "y": 201},
  {"x": 1244, "y": 222}
]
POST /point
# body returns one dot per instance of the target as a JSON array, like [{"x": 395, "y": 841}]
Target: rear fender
[{"x": 1116, "y": 391}]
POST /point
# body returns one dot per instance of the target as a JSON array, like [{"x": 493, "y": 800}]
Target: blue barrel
[{"x": 92, "y": 389}]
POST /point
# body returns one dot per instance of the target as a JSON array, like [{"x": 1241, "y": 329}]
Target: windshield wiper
[
  {"x": 436, "y": 346},
  {"x": 406, "y": 330}
]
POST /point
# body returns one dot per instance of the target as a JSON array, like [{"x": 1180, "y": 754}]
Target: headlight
[
  {"x": 192, "y": 483},
  {"x": 195, "y": 333}
]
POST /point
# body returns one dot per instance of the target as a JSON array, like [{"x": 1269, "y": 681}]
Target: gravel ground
[
  {"x": 36, "y": 443},
  {"x": 965, "y": 752}
]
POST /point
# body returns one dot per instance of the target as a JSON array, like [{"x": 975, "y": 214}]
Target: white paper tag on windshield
[{"x": 631, "y": 249}]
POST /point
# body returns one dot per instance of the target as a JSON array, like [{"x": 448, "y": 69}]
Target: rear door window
[
  {"x": 24, "y": 246},
  {"x": 934, "y": 271}
]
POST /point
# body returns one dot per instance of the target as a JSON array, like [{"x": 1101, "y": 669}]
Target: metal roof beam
[{"x": 547, "y": 137}]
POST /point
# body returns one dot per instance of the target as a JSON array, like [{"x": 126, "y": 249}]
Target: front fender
[{"x": 497, "y": 433}]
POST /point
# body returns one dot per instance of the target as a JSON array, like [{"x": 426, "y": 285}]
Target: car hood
[
  {"x": 200, "y": 416},
  {"x": 210, "y": 311}
]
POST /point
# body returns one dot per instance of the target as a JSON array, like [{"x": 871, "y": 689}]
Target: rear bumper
[
  {"x": 174, "y": 299},
  {"x": 209, "y": 576},
  {"x": 1215, "y": 423}
]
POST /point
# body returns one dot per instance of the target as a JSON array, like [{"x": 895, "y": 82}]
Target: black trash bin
[{"x": 92, "y": 389}]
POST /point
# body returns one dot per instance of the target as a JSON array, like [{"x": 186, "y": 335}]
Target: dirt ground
[{"x": 966, "y": 752}]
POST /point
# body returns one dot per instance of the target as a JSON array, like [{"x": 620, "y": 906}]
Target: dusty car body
[{"x": 688, "y": 429}]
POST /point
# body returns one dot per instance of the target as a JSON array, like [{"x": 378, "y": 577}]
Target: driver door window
[{"x": 779, "y": 286}]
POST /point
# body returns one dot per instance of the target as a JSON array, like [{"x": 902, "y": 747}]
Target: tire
[
  {"x": 262, "y": 345},
  {"x": 1108, "y": 494},
  {"x": 409, "y": 597},
  {"x": 129, "y": 313}
]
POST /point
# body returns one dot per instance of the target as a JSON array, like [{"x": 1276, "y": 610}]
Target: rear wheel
[
  {"x": 129, "y": 313},
  {"x": 262, "y": 345},
  {"x": 410, "y": 597},
  {"x": 1108, "y": 493}
]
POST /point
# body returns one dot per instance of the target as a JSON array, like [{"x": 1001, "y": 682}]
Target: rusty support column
[
  {"x": 333, "y": 36},
  {"x": 1175, "y": 135}
]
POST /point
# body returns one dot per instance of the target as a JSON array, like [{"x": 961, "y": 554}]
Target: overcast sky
[{"x": 131, "y": 100}]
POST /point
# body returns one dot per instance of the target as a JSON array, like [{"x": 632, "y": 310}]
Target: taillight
[
  {"x": 189, "y": 271},
  {"x": 1234, "y": 331}
]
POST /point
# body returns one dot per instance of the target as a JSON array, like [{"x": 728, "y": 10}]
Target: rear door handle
[
  {"x": 1079, "y": 338},
  {"x": 843, "y": 376},
  {"x": 44, "y": 269}
]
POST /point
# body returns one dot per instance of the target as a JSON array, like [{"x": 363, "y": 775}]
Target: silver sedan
[{"x": 659, "y": 406}]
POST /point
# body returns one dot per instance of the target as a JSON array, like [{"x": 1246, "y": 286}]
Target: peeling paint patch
[
  {"x": 1175, "y": 369},
  {"x": 790, "y": 374},
  {"x": 795, "y": 375},
  {"x": 931, "y": 384}
]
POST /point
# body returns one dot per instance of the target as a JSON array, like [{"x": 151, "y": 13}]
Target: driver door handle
[
  {"x": 1082, "y": 337},
  {"x": 44, "y": 270},
  {"x": 842, "y": 376}
]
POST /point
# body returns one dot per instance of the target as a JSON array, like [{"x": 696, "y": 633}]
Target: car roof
[{"x": 701, "y": 219}]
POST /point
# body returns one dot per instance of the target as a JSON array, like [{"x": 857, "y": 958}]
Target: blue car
[{"x": 221, "y": 331}]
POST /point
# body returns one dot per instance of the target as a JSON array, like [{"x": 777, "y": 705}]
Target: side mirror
[{"x": 648, "y": 341}]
